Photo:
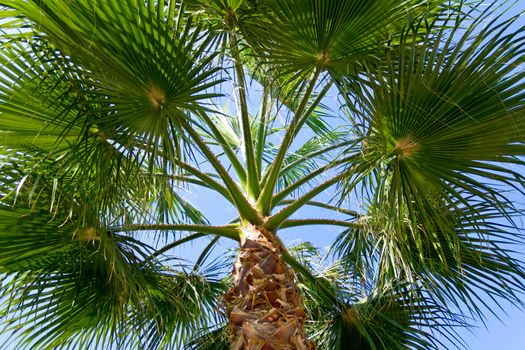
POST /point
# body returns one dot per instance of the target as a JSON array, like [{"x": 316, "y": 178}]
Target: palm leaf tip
[{"x": 357, "y": 328}]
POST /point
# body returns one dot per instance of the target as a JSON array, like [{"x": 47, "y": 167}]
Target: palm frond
[
  {"x": 328, "y": 34},
  {"x": 73, "y": 282},
  {"x": 106, "y": 110},
  {"x": 135, "y": 91},
  {"x": 76, "y": 286},
  {"x": 443, "y": 129},
  {"x": 429, "y": 116},
  {"x": 369, "y": 316},
  {"x": 462, "y": 263},
  {"x": 211, "y": 339}
]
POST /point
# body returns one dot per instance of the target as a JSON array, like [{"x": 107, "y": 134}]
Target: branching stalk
[
  {"x": 292, "y": 187},
  {"x": 324, "y": 206},
  {"x": 276, "y": 220},
  {"x": 312, "y": 107},
  {"x": 208, "y": 180},
  {"x": 315, "y": 154},
  {"x": 263, "y": 127},
  {"x": 205, "y": 253}
]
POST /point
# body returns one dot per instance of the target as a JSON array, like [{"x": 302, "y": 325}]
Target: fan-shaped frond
[
  {"x": 447, "y": 116},
  {"x": 72, "y": 286},
  {"x": 366, "y": 315},
  {"x": 444, "y": 131},
  {"x": 122, "y": 75},
  {"x": 325, "y": 34}
]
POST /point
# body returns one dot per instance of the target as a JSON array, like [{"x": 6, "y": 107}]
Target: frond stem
[
  {"x": 229, "y": 231},
  {"x": 221, "y": 141},
  {"x": 253, "y": 187},
  {"x": 205, "y": 253},
  {"x": 264, "y": 202},
  {"x": 262, "y": 130},
  {"x": 324, "y": 206},
  {"x": 208, "y": 180},
  {"x": 361, "y": 169},
  {"x": 300, "y": 123},
  {"x": 246, "y": 211},
  {"x": 276, "y": 220},
  {"x": 310, "y": 222},
  {"x": 315, "y": 154},
  {"x": 313, "y": 106},
  {"x": 292, "y": 187},
  {"x": 205, "y": 178}
]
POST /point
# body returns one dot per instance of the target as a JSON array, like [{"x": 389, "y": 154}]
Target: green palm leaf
[
  {"x": 81, "y": 286},
  {"x": 131, "y": 73},
  {"x": 80, "y": 283},
  {"x": 441, "y": 128},
  {"x": 447, "y": 137},
  {"x": 368, "y": 316},
  {"x": 328, "y": 34},
  {"x": 94, "y": 117}
]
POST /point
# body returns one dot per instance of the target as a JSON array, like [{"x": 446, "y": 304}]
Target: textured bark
[{"x": 264, "y": 306}]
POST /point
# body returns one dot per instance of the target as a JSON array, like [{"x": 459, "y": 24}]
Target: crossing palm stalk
[{"x": 400, "y": 124}]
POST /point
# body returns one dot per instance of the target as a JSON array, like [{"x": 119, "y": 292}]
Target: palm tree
[{"x": 401, "y": 122}]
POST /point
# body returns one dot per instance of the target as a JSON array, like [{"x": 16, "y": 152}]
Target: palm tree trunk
[{"x": 264, "y": 307}]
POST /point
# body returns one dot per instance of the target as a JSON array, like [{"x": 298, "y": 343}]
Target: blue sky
[{"x": 508, "y": 333}]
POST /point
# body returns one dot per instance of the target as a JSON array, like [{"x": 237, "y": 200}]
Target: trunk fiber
[{"x": 264, "y": 307}]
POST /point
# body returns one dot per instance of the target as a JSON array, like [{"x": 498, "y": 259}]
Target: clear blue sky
[{"x": 505, "y": 334}]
